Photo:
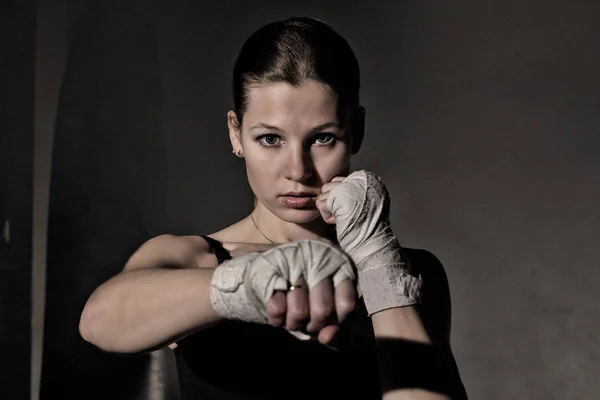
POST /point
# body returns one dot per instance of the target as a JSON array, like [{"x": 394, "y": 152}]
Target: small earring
[{"x": 238, "y": 153}]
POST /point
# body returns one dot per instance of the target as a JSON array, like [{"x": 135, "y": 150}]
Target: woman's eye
[
  {"x": 269, "y": 140},
  {"x": 324, "y": 138}
]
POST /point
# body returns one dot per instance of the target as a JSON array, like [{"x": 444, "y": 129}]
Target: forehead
[{"x": 282, "y": 104}]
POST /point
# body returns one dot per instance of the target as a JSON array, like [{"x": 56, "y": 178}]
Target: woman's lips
[{"x": 298, "y": 201}]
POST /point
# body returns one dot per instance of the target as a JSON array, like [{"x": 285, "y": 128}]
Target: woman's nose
[{"x": 299, "y": 165}]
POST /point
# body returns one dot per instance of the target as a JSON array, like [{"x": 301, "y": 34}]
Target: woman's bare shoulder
[
  {"x": 167, "y": 251},
  {"x": 201, "y": 252}
]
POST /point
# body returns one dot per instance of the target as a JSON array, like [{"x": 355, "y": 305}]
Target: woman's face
[{"x": 292, "y": 145}]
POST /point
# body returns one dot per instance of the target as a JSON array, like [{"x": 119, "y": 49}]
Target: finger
[
  {"x": 322, "y": 198},
  {"x": 329, "y": 185},
  {"x": 346, "y": 299},
  {"x": 322, "y": 207},
  {"x": 276, "y": 309},
  {"x": 327, "y": 334},
  {"x": 338, "y": 178},
  {"x": 326, "y": 215},
  {"x": 298, "y": 310},
  {"x": 321, "y": 202},
  {"x": 322, "y": 306}
]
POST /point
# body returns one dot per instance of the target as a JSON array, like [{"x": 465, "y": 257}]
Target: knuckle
[
  {"x": 321, "y": 313},
  {"x": 275, "y": 309},
  {"x": 346, "y": 305},
  {"x": 298, "y": 311}
]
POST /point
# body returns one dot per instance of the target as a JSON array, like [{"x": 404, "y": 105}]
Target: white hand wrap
[
  {"x": 360, "y": 205},
  {"x": 241, "y": 287}
]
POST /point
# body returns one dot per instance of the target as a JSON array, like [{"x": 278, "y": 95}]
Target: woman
[{"x": 238, "y": 305}]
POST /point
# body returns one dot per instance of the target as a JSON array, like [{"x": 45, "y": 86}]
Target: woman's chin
[{"x": 299, "y": 215}]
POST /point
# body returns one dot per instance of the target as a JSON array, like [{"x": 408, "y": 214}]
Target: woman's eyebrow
[
  {"x": 324, "y": 126},
  {"x": 317, "y": 128},
  {"x": 261, "y": 125}
]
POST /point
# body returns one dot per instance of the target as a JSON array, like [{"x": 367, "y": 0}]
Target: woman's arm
[
  {"x": 160, "y": 296},
  {"x": 413, "y": 342},
  {"x": 411, "y": 366}
]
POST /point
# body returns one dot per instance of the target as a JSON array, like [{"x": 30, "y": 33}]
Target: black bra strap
[{"x": 217, "y": 248}]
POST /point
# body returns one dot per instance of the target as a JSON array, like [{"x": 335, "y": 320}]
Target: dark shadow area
[
  {"x": 17, "y": 71},
  {"x": 413, "y": 365},
  {"x": 105, "y": 195},
  {"x": 240, "y": 361}
]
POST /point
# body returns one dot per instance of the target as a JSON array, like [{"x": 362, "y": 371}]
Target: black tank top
[{"x": 236, "y": 360}]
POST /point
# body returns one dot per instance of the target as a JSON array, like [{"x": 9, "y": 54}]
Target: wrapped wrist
[
  {"x": 386, "y": 281},
  {"x": 389, "y": 286},
  {"x": 229, "y": 296}
]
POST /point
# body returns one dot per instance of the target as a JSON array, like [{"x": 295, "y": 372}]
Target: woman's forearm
[
  {"x": 400, "y": 323},
  {"x": 404, "y": 349},
  {"x": 140, "y": 310}
]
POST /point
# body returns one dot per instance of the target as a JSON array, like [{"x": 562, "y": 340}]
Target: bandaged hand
[
  {"x": 241, "y": 287},
  {"x": 359, "y": 206}
]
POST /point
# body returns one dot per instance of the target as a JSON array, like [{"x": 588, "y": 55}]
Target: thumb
[{"x": 324, "y": 211}]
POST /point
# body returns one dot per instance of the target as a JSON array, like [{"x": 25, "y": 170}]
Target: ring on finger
[{"x": 295, "y": 287}]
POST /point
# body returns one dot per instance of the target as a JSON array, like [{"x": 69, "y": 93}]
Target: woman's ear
[
  {"x": 357, "y": 127},
  {"x": 234, "y": 131}
]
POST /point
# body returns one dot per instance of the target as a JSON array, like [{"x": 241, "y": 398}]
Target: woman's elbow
[
  {"x": 90, "y": 324},
  {"x": 97, "y": 326},
  {"x": 93, "y": 327}
]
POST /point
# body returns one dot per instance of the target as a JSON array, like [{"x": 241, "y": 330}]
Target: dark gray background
[
  {"x": 17, "y": 63},
  {"x": 482, "y": 118}
]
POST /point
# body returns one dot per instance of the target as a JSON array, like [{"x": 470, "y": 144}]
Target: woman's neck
[{"x": 270, "y": 228}]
